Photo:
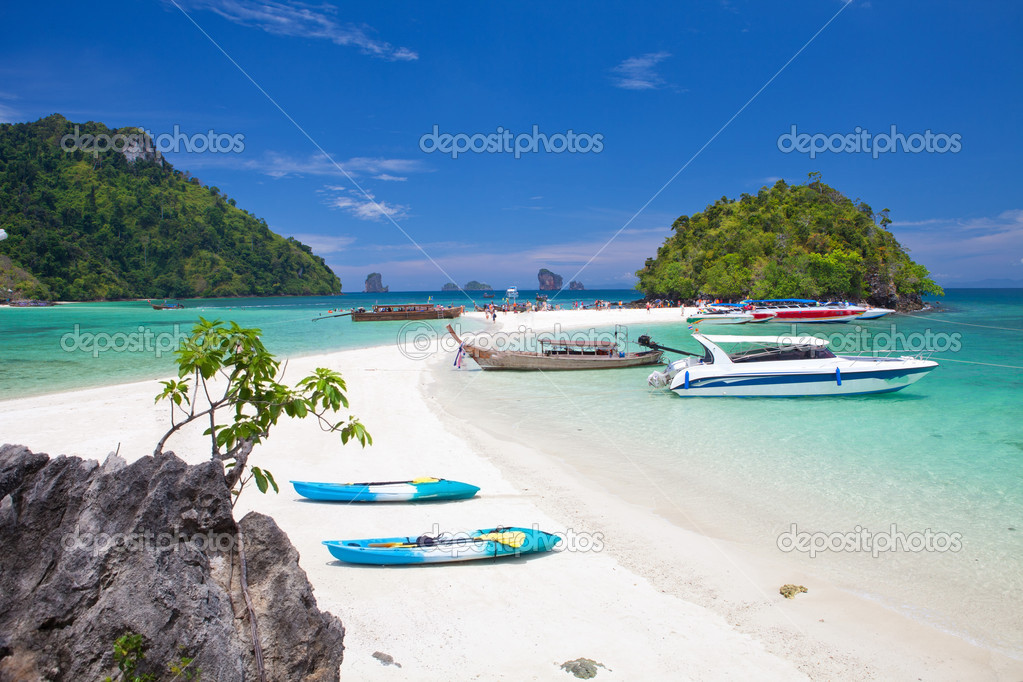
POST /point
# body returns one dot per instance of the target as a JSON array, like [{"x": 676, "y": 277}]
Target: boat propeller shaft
[{"x": 646, "y": 342}]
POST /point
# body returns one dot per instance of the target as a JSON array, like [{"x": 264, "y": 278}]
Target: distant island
[
  {"x": 375, "y": 284},
  {"x": 549, "y": 281},
  {"x": 124, "y": 223},
  {"x": 575, "y": 286},
  {"x": 789, "y": 241},
  {"x": 471, "y": 286}
]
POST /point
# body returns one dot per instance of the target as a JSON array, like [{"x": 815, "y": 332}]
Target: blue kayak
[
  {"x": 487, "y": 543},
  {"x": 387, "y": 491}
]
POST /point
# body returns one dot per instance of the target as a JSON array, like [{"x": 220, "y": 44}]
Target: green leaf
[{"x": 261, "y": 481}]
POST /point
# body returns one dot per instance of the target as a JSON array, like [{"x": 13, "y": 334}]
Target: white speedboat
[
  {"x": 728, "y": 313},
  {"x": 874, "y": 313},
  {"x": 783, "y": 366},
  {"x": 712, "y": 316}
]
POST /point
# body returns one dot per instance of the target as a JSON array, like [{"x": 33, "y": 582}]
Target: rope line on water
[
  {"x": 974, "y": 362},
  {"x": 968, "y": 324}
]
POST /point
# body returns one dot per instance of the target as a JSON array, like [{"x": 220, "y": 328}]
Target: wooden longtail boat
[
  {"x": 406, "y": 311},
  {"x": 558, "y": 355}
]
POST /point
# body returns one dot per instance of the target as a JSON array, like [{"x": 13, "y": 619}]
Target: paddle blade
[{"x": 515, "y": 538}]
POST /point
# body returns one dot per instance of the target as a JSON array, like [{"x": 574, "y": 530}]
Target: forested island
[
  {"x": 788, "y": 241},
  {"x": 473, "y": 285},
  {"x": 86, "y": 225}
]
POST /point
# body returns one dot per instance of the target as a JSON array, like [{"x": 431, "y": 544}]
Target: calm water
[
  {"x": 944, "y": 455},
  {"x": 45, "y": 350}
]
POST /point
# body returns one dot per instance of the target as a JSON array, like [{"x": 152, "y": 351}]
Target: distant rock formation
[
  {"x": 375, "y": 284},
  {"x": 548, "y": 280},
  {"x": 575, "y": 286},
  {"x": 93, "y": 551},
  {"x": 471, "y": 286}
]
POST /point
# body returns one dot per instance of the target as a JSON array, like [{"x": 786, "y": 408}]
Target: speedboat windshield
[{"x": 775, "y": 353}]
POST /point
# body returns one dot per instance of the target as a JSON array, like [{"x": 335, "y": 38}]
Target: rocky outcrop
[
  {"x": 375, "y": 284},
  {"x": 884, "y": 294},
  {"x": 548, "y": 280},
  {"x": 93, "y": 551},
  {"x": 575, "y": 286}
]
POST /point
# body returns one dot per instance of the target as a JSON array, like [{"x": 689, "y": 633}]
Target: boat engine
[{"x": 658, "y": 379}]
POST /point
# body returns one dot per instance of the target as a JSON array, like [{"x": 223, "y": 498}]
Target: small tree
[
  {"x": 252, "y": 394},
  {"x": 256, "y": 399}
]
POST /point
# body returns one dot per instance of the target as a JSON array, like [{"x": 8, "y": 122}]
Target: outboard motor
[{"x": 657, "y": 379}]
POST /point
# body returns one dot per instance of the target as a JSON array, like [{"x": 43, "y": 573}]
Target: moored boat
[
  {"x": 486, "y": 543},
  {"x": 419, "y": 489},
  {"x": 165, "y": 305},
  {"x": 875, "y": 313},
  {"x": 557, "y": 355},
  {"x": 406, "y": 311},
  {"x": 805, "y": 310},
  {"x": 784, "y": 366},
  {"x": 758, "y": 315},
  {"x": 720, "y": 314}
]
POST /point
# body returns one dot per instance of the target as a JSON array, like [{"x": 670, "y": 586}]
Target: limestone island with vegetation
[{"x": 787, "y": 241}]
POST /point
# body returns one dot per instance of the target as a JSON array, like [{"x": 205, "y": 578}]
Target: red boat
[{"x": 805, "y": 310}]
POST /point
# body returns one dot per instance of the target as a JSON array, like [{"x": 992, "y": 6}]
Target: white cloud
[
  {"x": 368, "y": 208},
  {"x": 965, "y": 249},
  {"x": 323, "y": 243},
  {"x": 297, "y": 19},
  {"x": 389, "y": 178},
  {"x": 278, "y": 165},
  {"x": 8, "y": 114},
  {"x": 638, "y": 73}
]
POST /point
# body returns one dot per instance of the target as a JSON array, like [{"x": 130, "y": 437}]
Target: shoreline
[{"x": 658, "y": 600}]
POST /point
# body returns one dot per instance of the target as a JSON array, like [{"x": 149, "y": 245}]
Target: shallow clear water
[
  {"x": 44, "y": 350},
  {"x": 944, "y": 455}
]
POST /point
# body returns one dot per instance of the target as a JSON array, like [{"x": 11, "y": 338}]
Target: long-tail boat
[{"x": 557, "y": 355}]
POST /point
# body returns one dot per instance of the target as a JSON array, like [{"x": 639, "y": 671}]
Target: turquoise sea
[
  {"x": 78, "y": 345},
  {"x": 941, "y": 459}
]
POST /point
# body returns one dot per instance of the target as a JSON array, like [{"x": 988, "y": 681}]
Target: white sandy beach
[{"x": 657, "y": 601}]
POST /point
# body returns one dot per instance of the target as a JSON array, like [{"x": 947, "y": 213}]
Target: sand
[{"x": 644, "y": 597}]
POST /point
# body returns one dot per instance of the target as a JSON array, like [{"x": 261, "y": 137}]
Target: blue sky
[{"x": 359, "y": 85}]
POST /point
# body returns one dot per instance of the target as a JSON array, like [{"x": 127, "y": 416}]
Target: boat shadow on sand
[
  {"x": 505, "y": 559},
  {"x": 370, "y": 503}
]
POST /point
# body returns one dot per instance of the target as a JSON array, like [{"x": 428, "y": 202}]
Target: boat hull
[
  {"x": 816, "y": 315},
  {"x": 523, "y": 361},
  {"x": 795, "y": 383},
  {"x": 445, "y": 314},
  {"x": 875, "y": 313},
  {"x": 721, "y": 318},
  {"x": 405, "y": 491},
  {"x": 459, "y": 547}
]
